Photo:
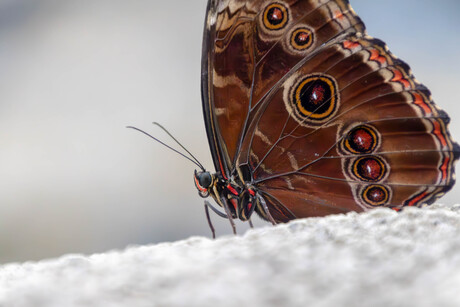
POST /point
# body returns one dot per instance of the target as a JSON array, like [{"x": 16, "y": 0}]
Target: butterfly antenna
[
  {"x": 164, "y": 129},
  {"x": 176, "y": 151}
]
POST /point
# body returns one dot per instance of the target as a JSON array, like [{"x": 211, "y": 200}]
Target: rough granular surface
[{"x": 379, "y": 258}]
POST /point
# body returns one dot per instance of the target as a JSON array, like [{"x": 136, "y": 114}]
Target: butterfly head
[{"x": 203, "y": 182}]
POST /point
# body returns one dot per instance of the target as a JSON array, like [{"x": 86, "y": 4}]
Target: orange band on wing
[
  {"x": 350, "y": 45},
  {"x": 375, "y": 56},
  {"x": 419, "y": 101},
  {"x": 399, "y": 77},
  {"x": 439, "y": 133},
  {"x": 338, "y": 15},
  {"x": 418, "y": 198},
  {"x": 444, "y": 167}
]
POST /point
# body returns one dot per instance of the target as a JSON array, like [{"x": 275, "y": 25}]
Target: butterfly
[{"x": 307, "y": 115}]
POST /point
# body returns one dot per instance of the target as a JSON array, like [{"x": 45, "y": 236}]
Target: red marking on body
[
  {"x": 418, "y": 198},
  {"x": 350, "y": 45},
  {"x": 232, "y": 190},
  {"x": 439, "y": 134},
  {"x": 396, "y": 209},
  {"x": 398, "y": 77},
  {"x": 375, "y": 56},
  {"x": 222, "y": 170},
  {"x": 234, "y": 203},
  {"x": 444, "y": 167},
  {"x": 419, "y": 101},
  {"x": 251, "y": 192},
  {"x": 197, "y": 184},
  {"x": 249, "y": 206}
]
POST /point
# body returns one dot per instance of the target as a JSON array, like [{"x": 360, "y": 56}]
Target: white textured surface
[{"x": 380, "y": 258}]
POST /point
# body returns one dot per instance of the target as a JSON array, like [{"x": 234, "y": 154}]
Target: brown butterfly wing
[
  {"x": 324, "y": 118},
  {"x": 375, "y": 137},
  {"x": 243, "y": 59}
]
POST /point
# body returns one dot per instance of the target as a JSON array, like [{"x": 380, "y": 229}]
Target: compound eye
[{"x": 205, "y": 180}]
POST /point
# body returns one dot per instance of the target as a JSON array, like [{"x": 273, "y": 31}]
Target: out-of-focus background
[{"x": 73, "y": 74}]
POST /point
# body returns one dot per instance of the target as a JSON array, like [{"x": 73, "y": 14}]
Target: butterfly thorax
[{"x": 232, "y": 194}]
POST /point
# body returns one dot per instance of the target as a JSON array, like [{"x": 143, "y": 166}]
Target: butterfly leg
[
  {"x": 216, "y": 211},
  {"x": 206, "y": 209},
  {"x": 265, "y": 207},
  {"x": 223, "y": 202},
  {"x": 208, "y": 205},
  {"x": 229, "y": 214}
]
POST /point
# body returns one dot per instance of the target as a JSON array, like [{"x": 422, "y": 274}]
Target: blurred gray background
[{"x": 73, "y": 74}]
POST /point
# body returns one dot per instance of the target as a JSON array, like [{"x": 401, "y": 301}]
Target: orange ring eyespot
[
  {"x": 315, "y": 98},
  {"x": 362, "y": 139},
  {"x": 275, "y": 16},
  {"x": 301, "y": 39},
  {"x": 376, "y": 195},
  {"x": 369, "y": 168}
]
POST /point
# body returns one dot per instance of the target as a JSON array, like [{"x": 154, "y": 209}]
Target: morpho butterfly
[{"x": 307, "y": 115}]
